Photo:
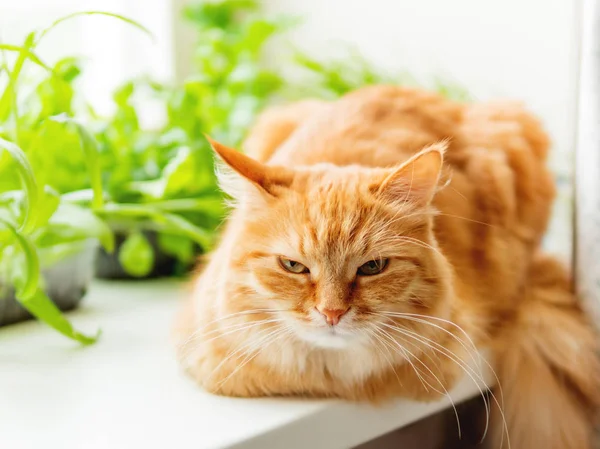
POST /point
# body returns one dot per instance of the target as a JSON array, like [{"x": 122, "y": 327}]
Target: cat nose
[{"x": 332, "y": 316}]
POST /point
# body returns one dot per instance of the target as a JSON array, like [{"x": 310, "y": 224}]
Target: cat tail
[
  {"x": 275, "y": 125},
  {"x": 549, "y": 366}
]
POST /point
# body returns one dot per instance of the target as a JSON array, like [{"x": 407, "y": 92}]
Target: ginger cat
[{"x": 373, "y": 240}]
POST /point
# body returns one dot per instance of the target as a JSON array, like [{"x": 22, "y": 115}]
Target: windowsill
[{"x": 127, "y": 390}]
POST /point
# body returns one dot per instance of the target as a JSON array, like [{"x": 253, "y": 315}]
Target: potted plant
[
  {"x": 47, "y": 244},
  {"x": 47, "y": 239}
]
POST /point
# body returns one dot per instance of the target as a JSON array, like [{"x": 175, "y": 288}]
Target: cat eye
[
  {"x": 372, "y": 267},
  {"x": 292, "y": 266}
]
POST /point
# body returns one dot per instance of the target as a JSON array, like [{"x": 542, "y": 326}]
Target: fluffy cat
[{"x": 373, "y": 240}]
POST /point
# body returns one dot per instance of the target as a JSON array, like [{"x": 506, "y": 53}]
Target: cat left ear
[
  {"x": 267, "y": 178},
  {"x": 416, "y": 180}
]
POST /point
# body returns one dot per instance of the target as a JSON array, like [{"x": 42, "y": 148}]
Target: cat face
[{"x": 337, "y": 250}]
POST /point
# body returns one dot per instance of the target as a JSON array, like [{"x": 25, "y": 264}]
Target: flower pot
[
  {"x": 109, "y": 267},
  {"x": 65, "y": 283}
]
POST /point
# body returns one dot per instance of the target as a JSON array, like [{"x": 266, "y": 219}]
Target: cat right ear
[
  {"x": 268, "y": 179},
  {"x": 417, "y": 179}
]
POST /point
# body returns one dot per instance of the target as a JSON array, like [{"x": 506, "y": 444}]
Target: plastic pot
[
  {"x": 109, "y": 267},
  {"x": 66, "y": 283}
]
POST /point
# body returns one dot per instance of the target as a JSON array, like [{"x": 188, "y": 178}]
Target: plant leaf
[
  {"x": 28, "y": 54},
  {"x": 71, "y": 222},
  {"x": 27, "y": 284},
  {"x": 179, "y": 225},
  {"x": 101, "y": 13},
  {"x": 90, "y": 149},
  {"x": 11, "y": 91},
  {"x": 29, "y": 182},
  {"x": 178, "y": 246},
  {"x": 7, "y": 100},
  {"x": 179, "y": 173},
  {"x": 136, "y": 255},
  {"x": 169, "y": 223},
  {"x": 209, "y": 205},
  {"x": 32, "y": 297},
  {"x": 47, "y": 206},
  {"x": 42, "y": 307}
]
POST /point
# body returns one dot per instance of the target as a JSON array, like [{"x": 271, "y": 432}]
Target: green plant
[
  {"x": 42, "y": 156},
  {"x": 162, "y": 178},
  {"x": 338, "y": 76},
  {"x": 37, "y": 229}
]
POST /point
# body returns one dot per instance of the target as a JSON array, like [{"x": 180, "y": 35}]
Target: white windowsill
[{"x": 127, "y": 392}]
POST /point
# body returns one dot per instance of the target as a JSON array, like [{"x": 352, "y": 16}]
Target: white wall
[
  {"x": 111, "y": 50},
  {"x": 521, "y": 49},
  {"x": 588, "y": 162}
]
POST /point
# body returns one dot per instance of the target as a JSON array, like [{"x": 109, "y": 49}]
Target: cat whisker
[
  {"x": 473, "y": 350},
  {"x": 468, "y": 370},
  {"x": 225, "y": 330},
  {"x": 477, "y": 378},
  {"x": 408, "y": 356},
  {"x": 445, "y": 392},
  {"x": 373, "y": 334},
  {"x": 467, "y": 219},
  {"x": 237, "y": 328},
  {"x": 226, "y": 317},
  {"x": 424, "y": 339},
  {"x": 442, "y": 214},
  {"x": 486, "y": 402},
  {"x": 422, "y": 319},
  {"x": 398, "y": 217},
  {"x": 449, "y": 186},
  {"x": 228, "y": 330},
  {"x": 398, "y": 239},
  {"x": 252, "y": 352},
  {"x": 241, "y": 348}
]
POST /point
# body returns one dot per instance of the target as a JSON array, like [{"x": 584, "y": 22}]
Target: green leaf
[
  {"x": 42, "y": 307},
  {"x": 47, "y": 206},
  {"x": 209, "y": 205},
  {"x": 27, "y": 53},
  {"x": 154, "y": 189},
  {"x": 177, "y": 246},
  {"x": 8, "y": 97},
  {"x": 55, "y": 155},
  {"x": 179, "y": 225},
  {"x": 12, "y": 93},
  {"x": 180, "y": 172},
  {"x": 55, "y": 95},
  {"x": 68, "y": 68},
  {"x": 220, "y": 13},
  {"x": 31, "y": 296},
  {"x": 27, "y": 283},
  {"x": 71, "y": 222},
  {"x": 101, "y": 13},
  {"x": 90, "y": 149},
  {"x": 136, "y": 255},
  {"x": 79, "y": 196},
  {"x": 258, "y": 32},
  {"x": 29, "y": 183},
  {"x": 166, "y": 222}
]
